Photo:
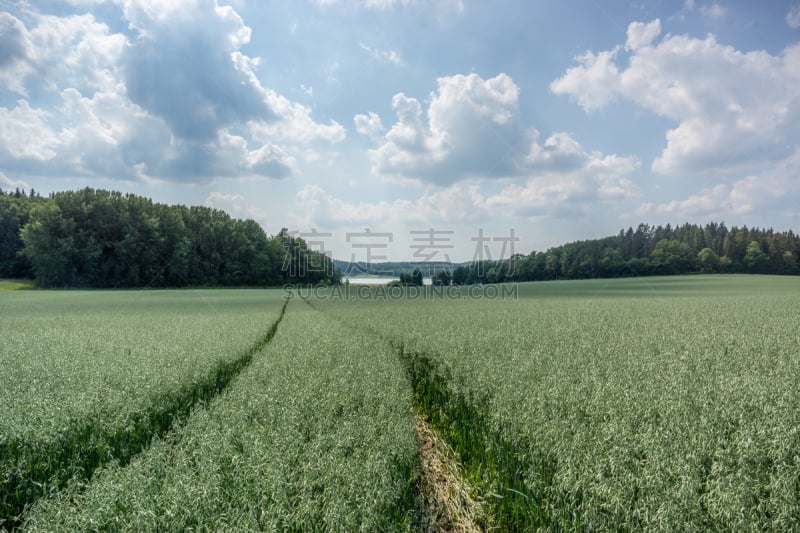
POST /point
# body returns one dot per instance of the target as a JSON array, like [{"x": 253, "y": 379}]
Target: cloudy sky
[{"x": 558, "y": 120}]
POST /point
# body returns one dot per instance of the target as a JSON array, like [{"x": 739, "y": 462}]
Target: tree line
[
  {"x": 99, "y": 238},
  {"x": 649, "y": 250}
]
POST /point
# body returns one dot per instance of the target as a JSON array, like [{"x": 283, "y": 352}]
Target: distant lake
[{"x": 379, "y": 281}]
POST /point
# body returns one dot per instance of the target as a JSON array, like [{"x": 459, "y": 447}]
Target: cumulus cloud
[
  {"x": 733, "y": 108},
  {"x": 12, "y": 40},
  {"x": 595, "y": 82},
  {"x": 773, "y": 190},
  {"x": 74, "y": 51},
  {"x": 567, "y": 181},
  {"x": 642, "y": 34},
  {"x": 369, "y": 126},
  {"x": 294, "y": 124},
  {"x": 473, "y": 132},
  {"x": 237, "y": 206},
  {"x": 24, "y": 133},
  {"x": 176, "y": 100},
  {"x": 182, "y": 68}
]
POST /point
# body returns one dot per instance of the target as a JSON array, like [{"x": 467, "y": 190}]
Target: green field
[
  {"x": 15, "y": 284},
  {"x": 650, "y": 403}
]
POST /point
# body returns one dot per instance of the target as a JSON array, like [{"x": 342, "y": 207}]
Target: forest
[
  {"x": 98, "y": 238},
  {"x": 647, "y": 251}
]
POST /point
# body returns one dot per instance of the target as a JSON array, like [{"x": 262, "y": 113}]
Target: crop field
[
  {"x": 90, "y": 377},
  {"x": 641, "y": 404},
  {"x": 650, "y": 403},
  {"x": 316, "y": 434}
]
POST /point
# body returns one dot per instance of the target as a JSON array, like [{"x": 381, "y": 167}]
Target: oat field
[{"x": 637, "y": 404}]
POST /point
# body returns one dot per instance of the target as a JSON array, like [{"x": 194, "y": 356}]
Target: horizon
[{"x": 401, "y": 127}]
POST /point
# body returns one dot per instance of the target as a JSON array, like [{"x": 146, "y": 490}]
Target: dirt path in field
[{"x": 445, "y": 498}]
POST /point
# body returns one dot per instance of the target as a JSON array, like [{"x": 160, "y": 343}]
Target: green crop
[
  {"x": 315, "y": 435},
  {"x": 630, "y": 404},
  {"x": 91, "y": 377},
  {"x": 662, "y": 403}
]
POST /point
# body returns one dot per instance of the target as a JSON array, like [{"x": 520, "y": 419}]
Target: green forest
[
  {"x": 649, "y": 251},
  {"x": 98, "y": 238}
]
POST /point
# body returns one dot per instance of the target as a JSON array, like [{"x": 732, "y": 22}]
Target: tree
[
  {"x": 442, "y": 278},
  {"x": 416, "y": 277},
  {"x": 50, "y": 247},
  {"x": 708, "y": 260},
  {"x": 755, "y": 258},
  {"x": 672, "y": 257},
  {"x": 789, "y": 263}
]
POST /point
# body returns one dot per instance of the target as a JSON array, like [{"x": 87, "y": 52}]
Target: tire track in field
[
  {"x": 497, "y": 471},
  {"x": 81, "y": 449},
  {"x": 444, "y": 500}
]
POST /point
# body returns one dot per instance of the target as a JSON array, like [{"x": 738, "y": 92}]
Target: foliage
[
  {"x": 14, "y": 214},
  {"x": 97, "y": 238},
  {"x": 414, "y": 279},
  {"x": 649, "y": 250}
]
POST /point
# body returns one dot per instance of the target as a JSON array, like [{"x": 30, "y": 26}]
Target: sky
[{"x": 413, "y": 129}]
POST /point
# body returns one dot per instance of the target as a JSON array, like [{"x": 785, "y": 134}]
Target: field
[
  {"x": 15, "y": 284},
  {"x": 650, "y": 403}
]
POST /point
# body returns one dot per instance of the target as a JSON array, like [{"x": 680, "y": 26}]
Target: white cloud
[
  {"x": 14, "y": 46},
  {"x": 773, "y": 190},
  {"x": 717, "y": 201},
  {"x": 473, "y": 131},
  {"x": 458, "y": 203},
  {"x": 733, "y": 108},
  {"x": 73, "y": 51},
  {"x": 196, "y": 98},
  {"x": 369, "y": 126},
  {"x": 25, "y": 134},
  {"x": 146, "y": 107},
  {"x": 567, "y": 181},
  {"x": 294, "y": 124},
  {"x": 383, "y": 56},
  {"x": 237, "y": 206},
  {"x": 594, "y": 83},
  {"x": 793, "y": 17},
  {"x": 641, "y": 34}
]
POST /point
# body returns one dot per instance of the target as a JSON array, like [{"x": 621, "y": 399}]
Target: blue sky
[{"x": 557, "y": 120}]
